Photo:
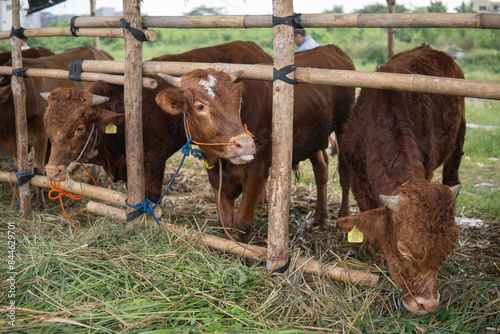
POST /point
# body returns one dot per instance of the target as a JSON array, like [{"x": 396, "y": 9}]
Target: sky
[{"x": 233, "y": 7}]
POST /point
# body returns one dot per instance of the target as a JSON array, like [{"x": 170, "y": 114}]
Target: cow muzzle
[
  {"x": 243, "y": 151},
  {"x": 55, "y": 173},
  {"x": 420, "y": 305}
]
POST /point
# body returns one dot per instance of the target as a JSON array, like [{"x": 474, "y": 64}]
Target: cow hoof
[{"x": 320, "y": 220}]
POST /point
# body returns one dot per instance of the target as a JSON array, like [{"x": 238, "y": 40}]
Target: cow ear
[
  {"x": 5, "y": 93},
  {"x": 105, "y": 117},
  {"x": 371, "y": 223},
  {"x": 171, "y": 101}
]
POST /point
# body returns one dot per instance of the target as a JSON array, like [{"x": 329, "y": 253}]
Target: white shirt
[{"x": 308, "y": 43}]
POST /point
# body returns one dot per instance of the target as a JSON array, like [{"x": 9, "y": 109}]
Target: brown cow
[
  {"x": 318, "y": 110},
  {"x": 163, "y": 133},
  {"x": 35, "y": 105},
  {"x": 394, "y": 141}
]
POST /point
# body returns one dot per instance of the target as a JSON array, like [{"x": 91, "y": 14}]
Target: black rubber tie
[
  {"x": 22, "y": 180},
  {"x": 288, "y": 20},
  {"x": 282, "y": 269},
  {"x": 72, "y": 28},
  {"x": 75, "y": 70},
  {"x": 19, "y": 33},
  {"x": 138, "y": 34},
  {"x": 19, "y": 72},
  {"x": 281, "y": 74},
  {"x": 131, "y": 216}
]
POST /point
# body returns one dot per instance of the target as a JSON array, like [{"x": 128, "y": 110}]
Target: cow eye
[
  {"x": 403, "y": 250},
  {"x": 200, "y": 107},
  {"x": 80, "y": 128}
]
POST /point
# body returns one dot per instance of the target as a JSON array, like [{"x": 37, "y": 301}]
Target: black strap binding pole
[
  {"x": 72, "y": 28},
  {"x": 138, "y": 34},
  {"x": 281, "y": 74},
  {"x": 75, "y": 70},
  {"x": 19, "y": 72},
  {"x": 19, "y": 33},
  {"x": 288, "y": 20}
]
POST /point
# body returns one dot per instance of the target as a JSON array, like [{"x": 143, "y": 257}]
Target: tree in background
[
  {"x": 436, "y": 7},
  {"x": 335, "y": 10},
  {"x": 380, "y": 9},
  {"x": 465, "y": 8},
  {"x": 204, "y": 10}
]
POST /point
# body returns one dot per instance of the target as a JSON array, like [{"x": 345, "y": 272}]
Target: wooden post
[
  {"x": 93, "y": 12},
  {"x": 391, "y": 32},
  {"x": 19, "y": 94},
  {"x": 133, "y": 105},
  {"x": 282, "y": 138}
]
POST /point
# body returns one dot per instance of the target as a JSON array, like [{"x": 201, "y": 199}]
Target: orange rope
[
  {"x": 411, "y": 294},
  {"x": 95, "y": 183},
  {"x": 213, "y": 144},
  {"x": 55, "y": 187}
]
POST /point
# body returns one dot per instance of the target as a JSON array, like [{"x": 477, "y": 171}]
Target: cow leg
[
  {"x": 225, "y": 209},
  {"x": 40, "y": 146},
  {"x": 345, "y": 184},
  {"x": 362, "y": 192},
  {"x": 252, "y": 187},
  {"x": 154, "y": 168},
  {"x": 319, "y": 162},
  {"x": 452, "y": 164}
]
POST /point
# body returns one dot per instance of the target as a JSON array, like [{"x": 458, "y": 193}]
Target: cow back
[
  {"x": 320, "y": 109},
  {"x": 237, "y": 52},
  {"x": 394, "y": 136}
]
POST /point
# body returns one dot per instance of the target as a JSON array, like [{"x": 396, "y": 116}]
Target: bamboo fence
[
  {"x": 317, "y": 76},
  {"x": 149, "y": 83},
  {"x": 393, "y": 20}
]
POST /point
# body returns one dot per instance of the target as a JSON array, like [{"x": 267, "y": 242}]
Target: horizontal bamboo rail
[
  {"x": 103, "y": 194},
  {"x": 394, "y": 20},
  {"x": 88, "y": 76},
  {"x": 251, "y": 251},
  {"x": 88, "y": 32},
  {"x": 392, "y": 81}
]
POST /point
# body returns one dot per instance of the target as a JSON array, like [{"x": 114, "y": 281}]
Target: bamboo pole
[
  {"x": 391, "y": 32},
  {"x": 88, "y": 32},
  {"x": 308, "y": 266},
  {"x": 93, "y": 13},
  {"x": 317, "y": 76},
  {"x": 396, "y": 20},
  {"x": 103, "y": 194},
  {"x": 19, "y": 94},
  {"x": 282, "y": 142},
  {"x": 133, "y": 106},
  {"x": 149, "y": 83}
]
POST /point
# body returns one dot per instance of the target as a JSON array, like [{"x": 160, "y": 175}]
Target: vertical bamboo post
[
  {"x": 133, "y": 105},
  {"x": 93, "y": 12},
  {"x": 391, "y": 32},
  {"x": 282, "y": 141},
  {"x": 19, "y": 94}
]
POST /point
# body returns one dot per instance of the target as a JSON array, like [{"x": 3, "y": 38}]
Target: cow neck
[{"x": 91, "y": 154}]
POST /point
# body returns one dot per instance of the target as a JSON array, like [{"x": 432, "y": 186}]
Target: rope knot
[{"x": 145, "y": 206}]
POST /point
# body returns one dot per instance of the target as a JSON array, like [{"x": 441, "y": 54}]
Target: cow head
[
  {"x": 73, "y": 121},
  {"x": 212, "y": 102},
  {"x": 415, "y": 231}
]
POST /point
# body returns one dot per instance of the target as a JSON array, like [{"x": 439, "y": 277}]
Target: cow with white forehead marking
[{"x": 212, "y": 102}]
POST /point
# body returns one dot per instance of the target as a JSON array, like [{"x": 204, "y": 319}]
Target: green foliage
[
  {"x": 465, "y": 7},
  {"x": 336, "y": 9},
  {"x": 381, "y": 9},
  {"x": 436, "y": 7},
  {"x": 481, "y": 59}
]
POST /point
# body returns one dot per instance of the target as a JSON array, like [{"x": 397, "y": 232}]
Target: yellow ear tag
[
  {"x": 110, "y": 128},
  {"x": 355, "y": 235}
]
